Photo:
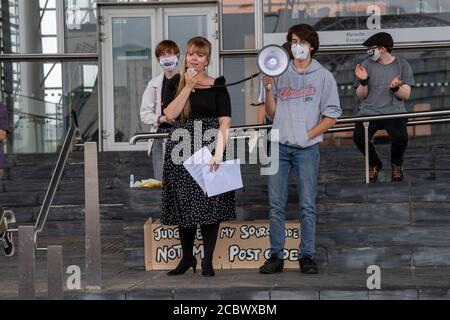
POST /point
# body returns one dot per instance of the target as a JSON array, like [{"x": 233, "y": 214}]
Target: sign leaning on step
[{"x": 240, "y": 244}]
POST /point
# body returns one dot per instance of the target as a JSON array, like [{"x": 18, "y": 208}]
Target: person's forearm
[
  {"x": 403, "y": 92},
  {"x": 270, "y": 104},
  {"x": 222, "y": 136},
  {"x": 361, "y": 92},
  {"x": 321, "y": 127},
  {"x": 174, "y": 109}
]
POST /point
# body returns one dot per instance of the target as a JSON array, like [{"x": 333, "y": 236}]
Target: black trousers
[{"x": 396, "y": 129}]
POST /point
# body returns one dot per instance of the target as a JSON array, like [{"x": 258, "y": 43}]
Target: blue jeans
[{"x": 305, "y": 161}]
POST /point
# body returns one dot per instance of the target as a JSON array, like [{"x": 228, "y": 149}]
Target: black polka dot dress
[{"x": 183, "y": 201}]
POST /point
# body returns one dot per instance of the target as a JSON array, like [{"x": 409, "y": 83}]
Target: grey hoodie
[{"x": 302, "y": 100}]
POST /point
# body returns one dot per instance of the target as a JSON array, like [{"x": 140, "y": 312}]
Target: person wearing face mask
[
  {"x": 383, "y": 83},
  {"x": 157, "y": 96},
  {"x": 303, "y": 103}
]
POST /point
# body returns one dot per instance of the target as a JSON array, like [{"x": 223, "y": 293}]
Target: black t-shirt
[
  {"x": 211, "y": 102},
  {"x": 168, "y": 93}
]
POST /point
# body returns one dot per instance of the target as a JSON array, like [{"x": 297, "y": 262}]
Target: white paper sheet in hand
[
  {"x": 195, "y": 164},
  {"x": 226, "y": 178}
]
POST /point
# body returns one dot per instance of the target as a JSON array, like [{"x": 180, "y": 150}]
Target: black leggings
[
  {"x": 396, "y": 128},
  {"x": 209, "y": 234}
]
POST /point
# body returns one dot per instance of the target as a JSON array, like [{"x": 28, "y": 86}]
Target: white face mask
[
  {"x": 300, "y": 51},
  {"x": 374, "y": 54},
  {"x": 169, "y": 63}
]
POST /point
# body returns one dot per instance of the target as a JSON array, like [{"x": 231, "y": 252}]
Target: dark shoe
[
  {"x": 183, "y": 266},
  {"x": 272, "y": 265},
  {"x": 7, "y": 241},
  {"x": 373, "y": 173},
  {"x": 307, "y": 265},
  {"x": 397, "y": 173},
  {"x": 207, "y": 269}
]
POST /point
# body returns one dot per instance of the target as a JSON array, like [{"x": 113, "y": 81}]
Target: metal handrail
[
  {"x": 414, "y": 115},
  {"x": 56, "y": 177},
  {"x": 365, "y": 121},
  {"x": 345, "y": 120}
]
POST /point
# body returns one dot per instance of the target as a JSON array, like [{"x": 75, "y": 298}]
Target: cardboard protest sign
[{"x": 240, "y": 244}]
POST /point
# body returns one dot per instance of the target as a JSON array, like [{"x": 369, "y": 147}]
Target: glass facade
[
  {"x": 327, "y": 15},
  {"x": 244, "y": 94},
  {"x": 40, "y": 97},
  {"x": 40, "y": 94},
  {"x": 238, "y": 19},
  {"x": 80, "y": 26},
  {"x": 131, "y": 69}
]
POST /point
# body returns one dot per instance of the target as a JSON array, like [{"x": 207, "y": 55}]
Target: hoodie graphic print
[{"x": 302, "y": 100}]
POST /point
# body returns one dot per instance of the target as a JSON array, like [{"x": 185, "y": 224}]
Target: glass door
[{"x": 127, "y": 68}]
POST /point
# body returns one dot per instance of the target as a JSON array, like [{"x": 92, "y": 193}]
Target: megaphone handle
[{"x": 269, "y": 86}]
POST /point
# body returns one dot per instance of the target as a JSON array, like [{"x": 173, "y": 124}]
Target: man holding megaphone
[{"x": 303, "y": 103}]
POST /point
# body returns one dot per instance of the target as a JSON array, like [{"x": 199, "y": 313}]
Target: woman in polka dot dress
[{"x": 201, "y": 102}]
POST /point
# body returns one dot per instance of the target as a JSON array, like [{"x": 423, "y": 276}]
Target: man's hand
[
  {"x": 396, "y": 82},
  {"x": 268, "y": 82},
  {"x": 360, "y": 72}
]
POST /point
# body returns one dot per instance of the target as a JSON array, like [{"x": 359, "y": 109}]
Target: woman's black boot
[
  {"x": 183, "y": 266},
  {"x": 207, "y": 269}
]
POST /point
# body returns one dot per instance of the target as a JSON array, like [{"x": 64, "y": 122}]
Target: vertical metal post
[
  {"x": 366, "y": 141},
  {"x": 92, "y": 218},
  {"x": 54, "y": 273},
  {"x": 26, "y": 263}
]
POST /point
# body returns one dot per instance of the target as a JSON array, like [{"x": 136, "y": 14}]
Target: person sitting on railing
[
  {"x": 6, "y": 239},
  {"x": 158, "y": 95},
  {"x": 383, "y": 84},
  {"x": 303, "y": 103}
]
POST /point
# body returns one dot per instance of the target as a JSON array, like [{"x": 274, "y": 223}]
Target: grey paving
[{"x": 120, "y": 282}]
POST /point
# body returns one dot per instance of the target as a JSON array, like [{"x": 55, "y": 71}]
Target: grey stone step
[
  {"x": 18, "y": 200},
  {"x": 133, "y": 237},
  {"x": 439, "y": 191},
  {"x": 134, "y": 258},
  {"x": 77, "y": 228}
]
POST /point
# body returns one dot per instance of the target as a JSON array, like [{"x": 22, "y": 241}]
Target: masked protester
[
  {"x": 157, "y": 96},
  {"x": 303, "y": 103},
  {"x": 383, "y": 84}
]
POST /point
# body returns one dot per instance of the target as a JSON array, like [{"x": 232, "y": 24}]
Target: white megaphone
[{"x": 273, "y": 60}]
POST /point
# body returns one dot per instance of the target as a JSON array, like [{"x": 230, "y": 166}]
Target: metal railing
[
  {"x": 28, "y": 234},
  {"x": 56, "y": 178},
  {"x": 443, "y": 116},
  {"x": 54, "y": 181}
]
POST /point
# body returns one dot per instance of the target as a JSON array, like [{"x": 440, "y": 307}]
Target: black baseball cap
[{"x": 382, "y": 39}]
